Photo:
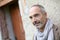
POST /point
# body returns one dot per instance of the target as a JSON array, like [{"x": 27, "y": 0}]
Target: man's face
[{"x": 37, "y": 17}]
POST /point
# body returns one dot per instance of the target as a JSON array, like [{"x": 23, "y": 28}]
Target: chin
[{"x": 39, "y": 27}]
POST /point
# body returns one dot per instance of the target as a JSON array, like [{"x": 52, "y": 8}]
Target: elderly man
[{"x": 46, "y": 30}]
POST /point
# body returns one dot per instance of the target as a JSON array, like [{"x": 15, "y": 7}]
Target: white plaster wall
[{"x": 52, "y": 8}]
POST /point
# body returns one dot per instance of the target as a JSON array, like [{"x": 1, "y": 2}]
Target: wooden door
[
  {"x": 17, "y": 22},
  {"x": 3, "y": 26}
]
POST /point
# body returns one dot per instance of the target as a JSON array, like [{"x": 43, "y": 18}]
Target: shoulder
[
  {"x": 56, "y": 31},
  {"x": 55, "y": 27}
]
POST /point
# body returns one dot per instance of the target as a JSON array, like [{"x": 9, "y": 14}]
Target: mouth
[{"x": 37, "y": 23}]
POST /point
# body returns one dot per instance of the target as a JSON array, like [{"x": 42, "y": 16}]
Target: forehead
[{"x": 34, "y": 10}]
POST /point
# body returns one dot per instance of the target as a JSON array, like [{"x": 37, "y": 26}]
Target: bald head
[{"x": 42, "y": 9}]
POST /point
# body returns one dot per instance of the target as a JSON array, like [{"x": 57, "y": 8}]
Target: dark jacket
[{"x": 56, "y": 32}]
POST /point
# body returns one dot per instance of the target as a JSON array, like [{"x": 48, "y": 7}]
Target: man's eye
[{"x": 30, "y": 17}]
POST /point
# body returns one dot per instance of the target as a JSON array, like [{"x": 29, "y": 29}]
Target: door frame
[{"x": 17, "y": 22}]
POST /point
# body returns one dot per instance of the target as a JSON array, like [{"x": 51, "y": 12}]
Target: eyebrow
[{"x": 36, "y": 14}]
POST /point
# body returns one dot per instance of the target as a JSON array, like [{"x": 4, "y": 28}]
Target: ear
[{"x": 45, "y": 13}]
